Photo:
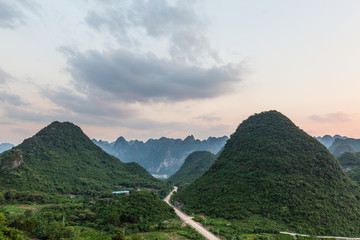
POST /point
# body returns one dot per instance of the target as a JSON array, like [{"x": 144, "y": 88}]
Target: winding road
[
  {"x": 188, "y": 220},
  {"x": 208, "y": 235}
]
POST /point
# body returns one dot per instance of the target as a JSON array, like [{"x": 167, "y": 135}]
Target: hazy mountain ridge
[
  {"x": 270, "y": 167},
  {"x": 338, "y": 145},
  {"x": 341, "y": 146},
  {"x": 61, "y": 158},
  {"x": 328, "y": 140},
  {"x": 160, "y": 156},
  {"x": 5, "y": 146}
]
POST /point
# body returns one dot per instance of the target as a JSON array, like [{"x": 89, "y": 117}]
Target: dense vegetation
[
  {"x": 341, "y": 146},
  {"x": 105, "y": 217},
  {"x": 195, "y": 165},
  {"x": 350, "y": 162},
  {"x": 271, "y": 168},
  {"x": 62, "y": 159},
  {"x": 7, "y": 232}
]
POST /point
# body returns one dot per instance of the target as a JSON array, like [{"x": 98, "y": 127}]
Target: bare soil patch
[{"x": 27, "y": 208}]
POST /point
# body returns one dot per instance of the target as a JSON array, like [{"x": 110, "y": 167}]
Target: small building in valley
[{"x": 121, "y": 192}]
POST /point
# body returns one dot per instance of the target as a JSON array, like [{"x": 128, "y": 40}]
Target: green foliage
[
  {"x": 110, "y": 217},
  {"x": 62, "y": 159},
  {"x": 155, "y": 235},
  {"x": 271, "y": 168},
  {"x": 195, "y": 165},
  {"x": 190, "y": 233},
  {"x": 165, "y": 190},
  {"x": 2, "y": 199},
  {"x": 350, "y": 162},
  {"x": 341, "y": 146},
  {"x": 141, "y": 209},
  {"x": 14, "y": 196},
  {"x": 7, "y": 233},
  {"x": 306, "y": 238},
  {"x": 251, "y": 226}
]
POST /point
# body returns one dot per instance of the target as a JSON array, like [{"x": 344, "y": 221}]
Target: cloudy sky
[{"x": 145, "y": 69}]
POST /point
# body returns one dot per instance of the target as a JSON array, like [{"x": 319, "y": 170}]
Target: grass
[
  {"x": 20, "y": 209},
  {"x": 155, "y": 235},
  {"x": 84, "y": 233},
  {"x": 254, "y": 227},
  {"x": 190, "y": 233}
]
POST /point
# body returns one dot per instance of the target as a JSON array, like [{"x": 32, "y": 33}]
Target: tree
[{"x": 2, "y": 199}]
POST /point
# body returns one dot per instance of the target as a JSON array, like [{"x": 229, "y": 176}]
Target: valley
[
  {"x": 263, "y": 183},
  {"x": 179, "y": 120},
  {"x": 161, "y": 157},
  {"x": 188, "y": 220}
]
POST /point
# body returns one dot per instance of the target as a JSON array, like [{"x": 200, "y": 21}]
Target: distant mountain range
[
  {"x": 161, "y": 157},
  {"x": 62, "y": 159},
  {"x": 341, "y": 146},
  {"x": 338, "y": 145},
  {"x": 328, "y": 140},
  {"x": 5, "y": 146}
]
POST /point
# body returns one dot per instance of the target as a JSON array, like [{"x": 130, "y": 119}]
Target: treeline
[{"x": 103, "y": 218}]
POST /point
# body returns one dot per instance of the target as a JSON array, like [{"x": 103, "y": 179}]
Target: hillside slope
[
  {"x": 270, "y": 167},
  {"x": 195, "y": 165},
  {"x": 341, "y": 146},
  {"x": 350, "y": 162},
  {"x": 61, "y": 158}
]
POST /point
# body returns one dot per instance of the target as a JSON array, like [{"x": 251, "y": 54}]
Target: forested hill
[
  {"x": 269, "y": 167},
  {"x": 195, "y": 165},
  {"x": 350, "y": 162},
  {"x": 341, "y": 146},
  {"x": 61, "y": 158},
  {"x": 162, "y": 156}
]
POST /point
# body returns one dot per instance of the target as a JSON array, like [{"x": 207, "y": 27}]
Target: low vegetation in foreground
[
  {"x": 255, "y": 227},
  {"x": 112, "y": 217}
]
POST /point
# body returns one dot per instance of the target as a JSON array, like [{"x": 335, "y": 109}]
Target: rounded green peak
[
  {"x": 199, "y": 158},
  {"x": 271, "y": 168},
  {"x": 194, "y": 166},
  {"x": 65, "y": 127},
  {"x": 271, "y": 118}
]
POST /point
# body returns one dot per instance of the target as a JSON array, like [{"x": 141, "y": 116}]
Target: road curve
[
  {"x": 186, "y": 219},
  {"x": 208, "y": 235}
]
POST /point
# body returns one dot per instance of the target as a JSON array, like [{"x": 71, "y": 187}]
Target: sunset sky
[{"x": 146, "y": 69}]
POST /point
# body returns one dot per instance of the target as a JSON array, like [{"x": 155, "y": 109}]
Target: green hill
[
  {"x": 341, "y": 146},
  {"x": 194, "y": 166},
  {"x": 350, "y": 162},
  {"x": 61, "y": 158},
  {"x": 271, "y": 168}
]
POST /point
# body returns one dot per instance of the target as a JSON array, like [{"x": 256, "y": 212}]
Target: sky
[{"x": 151, "y": 68}]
